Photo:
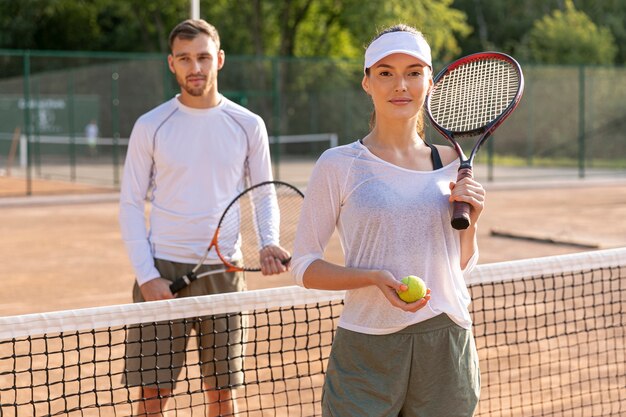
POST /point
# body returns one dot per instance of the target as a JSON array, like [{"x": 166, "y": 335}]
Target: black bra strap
[{"x": 434, "y": 155}]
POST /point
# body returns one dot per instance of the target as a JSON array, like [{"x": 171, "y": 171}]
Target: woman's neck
[
  {"x": 394, "y": 136},
  {"x": 399, "y": 147}
]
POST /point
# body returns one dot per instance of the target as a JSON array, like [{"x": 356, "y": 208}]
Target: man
[{"x": 194, "y": 153}]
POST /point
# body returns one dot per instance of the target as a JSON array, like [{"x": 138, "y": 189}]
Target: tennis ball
[{"x": 416, "y": 291}]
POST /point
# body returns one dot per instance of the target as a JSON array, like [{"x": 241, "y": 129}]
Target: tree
[
  {"x": 442, "y": 25},
  {"x": 570, "y": 37},
  {"x": 42, "y": 24},
  {"x": 500, "y": 25},
  {"x": 90, "y": 25},
  {"x": 299, "y": 28},
  {"x": 612, "y": 15},
  {"x": 504, "y": 25},
  {"x": 329, "y": 28}
]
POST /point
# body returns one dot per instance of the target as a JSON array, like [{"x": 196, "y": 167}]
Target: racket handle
[
  {"x": 460, "y": 209},
  {"x": 182, "y": 282}
]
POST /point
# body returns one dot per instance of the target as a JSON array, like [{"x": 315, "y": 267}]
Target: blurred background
[{"x": 76, "y": 74}]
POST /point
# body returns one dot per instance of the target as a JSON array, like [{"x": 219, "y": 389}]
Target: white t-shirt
[
  {"x": 390, "y": 218},
  {"x": 189, "y": 163}
]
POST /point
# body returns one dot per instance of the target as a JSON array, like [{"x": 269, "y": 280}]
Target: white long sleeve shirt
[
  {"x": 390, "y": 218},
  {"x": 189, "y": 163}
]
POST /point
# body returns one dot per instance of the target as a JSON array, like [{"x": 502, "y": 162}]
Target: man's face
[{"x": 195, "y": 64}]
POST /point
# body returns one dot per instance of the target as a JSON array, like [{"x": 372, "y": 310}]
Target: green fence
[{"x": 570, "y": 118}]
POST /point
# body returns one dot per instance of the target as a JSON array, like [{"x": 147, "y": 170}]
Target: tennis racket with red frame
[
  {"x": 264, "y": 214},
  {"x": 471, "y": 97}
]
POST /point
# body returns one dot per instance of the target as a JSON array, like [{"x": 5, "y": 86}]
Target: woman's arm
[
  {"x": 324, "y": 275},
  {"x": 469, "y": 244},
  {"x": 472, "y": 192}
]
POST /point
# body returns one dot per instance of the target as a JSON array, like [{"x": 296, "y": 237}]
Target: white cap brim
[{"x": 398, "y": 43}]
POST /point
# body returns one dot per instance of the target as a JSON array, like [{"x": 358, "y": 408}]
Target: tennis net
[{"x": 549, "y": 331}]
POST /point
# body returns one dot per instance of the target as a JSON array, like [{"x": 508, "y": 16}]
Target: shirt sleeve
[
  {"x": 134, "y": 189},
  {"x": 319, "y": 215},
  {"x": 471, "y": 264},
  {"x": 259, "y": 163}
]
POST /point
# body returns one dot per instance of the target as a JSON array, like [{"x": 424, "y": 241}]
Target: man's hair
[{"x": 191, "y": 28}]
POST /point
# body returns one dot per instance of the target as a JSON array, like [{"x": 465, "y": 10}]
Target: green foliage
[
  {"x": 500, "y": 25},
  {"x": 504, "y": 25},
  {"x": 92, "y": 25},
  {"x": 46, "y": 24},
  {"x": 441, "y": 24},
  {"x": 610, "y": 14},
  {"x": 570, "y": 37},
  {"x": 302, "y": 28},
  {"x": 324, "y": 28},
  {"x": 329, "y": 28}
]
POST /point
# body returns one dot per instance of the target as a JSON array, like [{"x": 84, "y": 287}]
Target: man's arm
[
  {"x": 259, "y": 162},
  {"x": 260, "y": 170},
  {"x": 134, "y": 188}
]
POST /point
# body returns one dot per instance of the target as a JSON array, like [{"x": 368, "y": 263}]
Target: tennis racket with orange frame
[
  {"x": 472, "y": 97},
  {"x": 264, "y": 214}
]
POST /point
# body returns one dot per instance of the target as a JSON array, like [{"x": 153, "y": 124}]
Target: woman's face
[{"x": 398, "y": 85}]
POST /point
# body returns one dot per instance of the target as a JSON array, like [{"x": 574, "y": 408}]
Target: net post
[
  {"x": 581, "y": 121},
  {"x": 276, "y": 87},
  {"x": 194, "y": 9},
  {"x": 15, "y": 142},
  {"x": 27, "y": 131},
  {"x": 70, "y": 123},
  {"x": 334, "y": 140},
  {"x": 115, "y": 122}
]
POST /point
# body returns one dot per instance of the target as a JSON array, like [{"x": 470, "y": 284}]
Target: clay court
[{"x": 65, "y": 251}]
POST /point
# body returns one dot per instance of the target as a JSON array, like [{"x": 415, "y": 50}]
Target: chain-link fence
[{"x": 570, "y": 117}]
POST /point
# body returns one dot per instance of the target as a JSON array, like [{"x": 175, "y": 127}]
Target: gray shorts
[
  {"x": 155, "y": 354},
  {"x": 429, "y": 369}
]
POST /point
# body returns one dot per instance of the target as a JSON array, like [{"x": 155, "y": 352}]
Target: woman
[{"x": 389, "y": 196}]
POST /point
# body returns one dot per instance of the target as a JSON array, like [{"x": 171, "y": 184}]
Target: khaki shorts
[
  {"x": 155, "y": 354},
  {"x": 429, "y": 369}
]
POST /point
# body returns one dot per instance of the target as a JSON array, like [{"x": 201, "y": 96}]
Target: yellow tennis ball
[{"x": 416, "y": 290}]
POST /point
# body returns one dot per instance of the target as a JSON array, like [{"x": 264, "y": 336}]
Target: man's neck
[{"x": 200, "y": 102}]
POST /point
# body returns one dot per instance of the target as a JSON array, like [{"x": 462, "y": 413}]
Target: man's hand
[
  {"x": 156, "y": 289},
  {"x": 274, "y": 260}
]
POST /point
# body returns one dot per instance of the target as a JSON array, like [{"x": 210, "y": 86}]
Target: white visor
[{"x": 397, "y": 43}]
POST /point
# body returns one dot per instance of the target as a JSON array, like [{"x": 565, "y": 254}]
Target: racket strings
[
  {"x": 474, "y": 94},
  {"x": 265, "y": 215}
]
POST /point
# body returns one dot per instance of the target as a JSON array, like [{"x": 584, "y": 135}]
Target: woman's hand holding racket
[
  {"x": 472, "y": 97},
  {"x": 468, "y": 191},
  {"x": 255, "y": 233}
]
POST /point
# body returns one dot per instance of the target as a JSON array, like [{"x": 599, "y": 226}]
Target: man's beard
[{"x": 193, "y": 91}]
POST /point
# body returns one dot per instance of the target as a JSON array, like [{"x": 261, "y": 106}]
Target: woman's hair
[
  {"x": 189, "y": 29},
  {"x": 401, "y": 27}
]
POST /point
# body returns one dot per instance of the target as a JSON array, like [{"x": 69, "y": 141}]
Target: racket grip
[
  {"x": 460, "y": 209},
  {"x": 182, "y": 282}
]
